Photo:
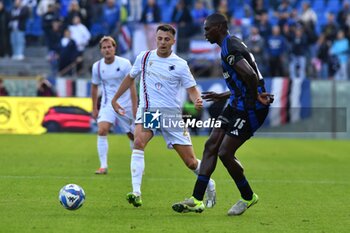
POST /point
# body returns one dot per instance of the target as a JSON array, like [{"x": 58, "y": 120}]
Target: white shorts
[
  {"x": 171, "y": 136},
  {"x": 126, "y": 122}
]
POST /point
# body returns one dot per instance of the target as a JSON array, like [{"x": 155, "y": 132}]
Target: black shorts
[{"x": 242, "y": 124}]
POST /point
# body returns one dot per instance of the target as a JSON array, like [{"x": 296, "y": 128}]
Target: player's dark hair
[
  {"x": 218, "y": 18},
  {"x": 167, "y": 28}
]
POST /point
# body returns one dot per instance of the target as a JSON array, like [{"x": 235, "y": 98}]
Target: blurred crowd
[
  {"x": 291, "y": 38},
  {"x": 44, "y": 88}
]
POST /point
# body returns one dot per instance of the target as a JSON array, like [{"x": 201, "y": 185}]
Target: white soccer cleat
[{"x": 242, "y": 205}]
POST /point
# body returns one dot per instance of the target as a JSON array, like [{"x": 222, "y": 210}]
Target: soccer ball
[{"x": 71, "y": 196}]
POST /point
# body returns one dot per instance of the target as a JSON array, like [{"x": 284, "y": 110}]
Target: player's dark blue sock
[
  {"x": 200, "y": 187},
  {"x": 245, "y": 189}
]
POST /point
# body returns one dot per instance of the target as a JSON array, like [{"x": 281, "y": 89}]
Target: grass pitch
[{"x": 303, "y": 186}]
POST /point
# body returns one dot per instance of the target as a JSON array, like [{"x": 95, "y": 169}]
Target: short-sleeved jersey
[
  {"x": 161, "y": 79},
  {"x": 233, "y": 50},
  {"x": 110, "y": 76}
]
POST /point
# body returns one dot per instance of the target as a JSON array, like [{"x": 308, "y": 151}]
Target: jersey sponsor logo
[
  {"x": 226, "y": 75},
  {"x": 151, "y": 120},
  {"x": 172, "y": 67},
  {"x": 158, "y": 85},
  {"x": 231, "y": 59}
]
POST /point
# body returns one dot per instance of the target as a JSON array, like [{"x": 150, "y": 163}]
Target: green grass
[{"x": 303, "y": 186}]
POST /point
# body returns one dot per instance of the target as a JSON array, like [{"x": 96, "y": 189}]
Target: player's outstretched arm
[
  {"x": 127, "y": 82},
  {"x": 249, "y": 76},
  {"x": 195, "y": 97},
  {"x": 213, "y": 96}
]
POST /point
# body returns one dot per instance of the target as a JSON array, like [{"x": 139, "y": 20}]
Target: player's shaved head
[{"x": 217, "y": 18}]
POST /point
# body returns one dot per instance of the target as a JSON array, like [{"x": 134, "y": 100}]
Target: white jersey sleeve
[{"x": 137, "y": 67}]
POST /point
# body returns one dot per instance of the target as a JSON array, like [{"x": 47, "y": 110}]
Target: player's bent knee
[
  {"x": 139, "y": 144},
  {"x": 229, "y": 160},
  {"x": 223, "y": 153},
  {"x": 102, "y": 131}
]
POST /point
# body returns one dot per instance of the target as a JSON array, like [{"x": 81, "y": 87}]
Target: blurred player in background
[
  {"x": 247, "y": 109},
  {"x": 109, "y": 72},
  {"x": 163, "y": 74}
]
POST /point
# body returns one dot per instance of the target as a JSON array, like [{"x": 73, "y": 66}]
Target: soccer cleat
[
  {"x": 189, "y": 205},
  {"x": 210, "y": 194},
  {"x": 242, "y": 205},
  {"x": 101, "y": 171},
  {"x": 134, "y": 199}
]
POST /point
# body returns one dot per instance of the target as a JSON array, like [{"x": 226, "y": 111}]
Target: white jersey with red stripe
[
  {"x": 110, "y": 76},
  {"x": 161, "y": 79}
]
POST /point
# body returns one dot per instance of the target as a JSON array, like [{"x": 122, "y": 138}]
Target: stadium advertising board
[
  {"x": 32, "y": 115},
  {"x": 23, "y": 115}
]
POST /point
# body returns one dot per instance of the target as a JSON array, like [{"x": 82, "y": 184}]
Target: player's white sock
[
  {"x": 137, "y": 166},
  {"x": 102, "y": 148},
  {"x": 196, "y": 171},
  {"x": 211, "y": 184}
]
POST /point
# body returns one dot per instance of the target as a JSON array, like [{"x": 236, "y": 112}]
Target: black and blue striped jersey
[{"x": 233, "y": 50}]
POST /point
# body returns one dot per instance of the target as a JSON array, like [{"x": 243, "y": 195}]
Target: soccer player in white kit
[
  {"x": 162, "y": 75},
  {"x": 109, "y": 72}
]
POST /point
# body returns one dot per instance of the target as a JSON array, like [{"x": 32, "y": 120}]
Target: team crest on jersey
[
  {"x": 118, "y": 69},
  {"x": 172, "y": 67},
  {"x": 158, "y": 86},
  {"x": 231, "y": 59},
  {"x": 150, "y": 63}
]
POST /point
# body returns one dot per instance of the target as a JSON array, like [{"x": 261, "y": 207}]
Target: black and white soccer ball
[{"x": 71, "y": 196}]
